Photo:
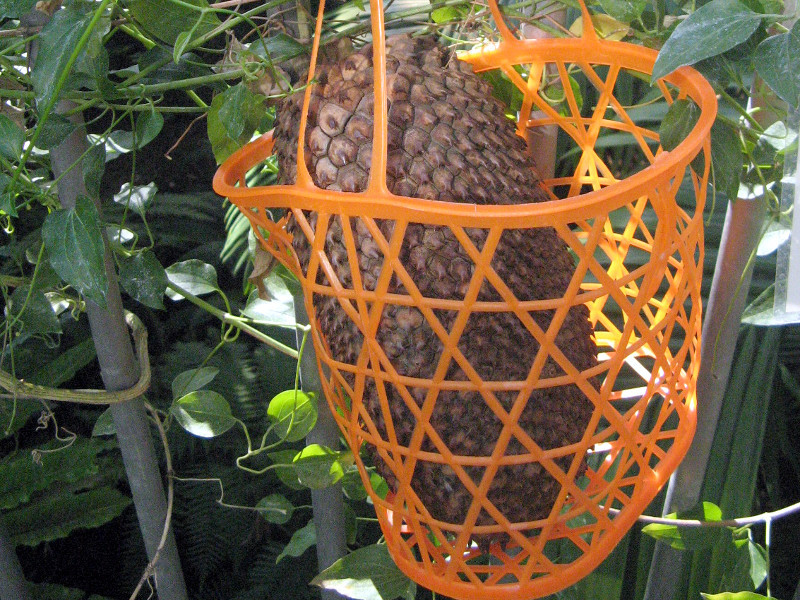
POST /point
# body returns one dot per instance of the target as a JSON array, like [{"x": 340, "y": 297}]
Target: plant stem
[{"x": 233, "y": 320}]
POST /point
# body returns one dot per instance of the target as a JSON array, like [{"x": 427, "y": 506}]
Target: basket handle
[
  {"x": 377, "y": 185},
  {"x": 303, "y": 176},
  {"x": 380, "y": 143},
  {"x": 588, "y": 33}
]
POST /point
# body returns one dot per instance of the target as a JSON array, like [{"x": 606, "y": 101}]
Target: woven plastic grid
[{"x": 638, "y": 270}]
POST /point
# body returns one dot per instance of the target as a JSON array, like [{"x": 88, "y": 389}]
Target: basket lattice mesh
[{"x": 638, "y": 257}]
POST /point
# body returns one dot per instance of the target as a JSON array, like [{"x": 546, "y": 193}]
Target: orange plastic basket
[{"x": 639, "y": 258}]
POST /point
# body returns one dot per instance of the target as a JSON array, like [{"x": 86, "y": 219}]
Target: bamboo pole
[
  {"x": 328, "y": 503},
  {"x": 543, "y": 140},
  {"x": 727, "y": 300},
  {"x": 741, "y": 233},
  {"x": 119, "y": 370},
  {"x": 12, "y": 581}
]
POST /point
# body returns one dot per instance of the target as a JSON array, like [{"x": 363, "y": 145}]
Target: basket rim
[{"x": 386, "y": 204}]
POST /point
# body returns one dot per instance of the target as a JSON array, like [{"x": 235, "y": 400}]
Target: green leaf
[
  {"x": 318, "y": 467},
  {"x": 762, "y": 310},
  {"x": 14, "y": 9},
  {"x": 624, "y": 10},
  {"x": 143, "y": 277},
  {"x": 694, "y": 538},
  {"x": 778, "y": 136},
  {"x": 294, "y": 414},
  {"x": 138, "y": 197},
  {"x": 368, "y": 573},
  {"x": 302, "y": 540},
  {"x": 192, "y": 380},
  {"x": 14, "y": 414},
  {"x": 93, "y": 166},
  {"x": 712, "y": 29},
  {"x": 167, "y": 20},
  {"x": 75, "y": 247},
  {"x": 286, "y": 472},
  {"x": 104, "y": 424},
  {"x": 727, "y": 158},
  {"x": 278, "y": 47},
  {"x": 735, "y": 596},
  {"x": 203, "y": 413},
  {"x": 445, "y": 14},
  {"x": 118, "y": 237},
  {"x": 57, "y": 41},
  {"x": 183, "y": 39},
  {"x": 275, "y": 508},
  {"x": 66, "y": 365},
  {"x": 232, "y": 111},
  {"x": 148, "y": 126},
  {"x": 758, "y": 563},
  {"x": 54, "y": 131},
  {"x": 279, "y": 309},
  {"x": 379, "y": 485},
  {"x": 7, "y": 204},
  {"x": 774, "y": 237},
  {"x": 23, "y": 478},
  {"x": 193, "y": 275},
  {"x": 91, "y": 69},
  {"x": 232, "y": 118},
  {"x": 679, "y": 121},
  {"x": 775, "y": 60},
  {"x": 11, "y": 139},
  {"x": 352, "y": 486},
  {"x": 38, "y": 315},
  {"x": 7, "y": 199},
  {"x": 700, "y": 538},
  {"x": 187, "y": 67},
  {"x": 56, "y": 515}
]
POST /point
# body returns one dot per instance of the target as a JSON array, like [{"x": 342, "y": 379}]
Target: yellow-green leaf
[
  {"x": 294, "y": 414},
  {"x": 203, "y": 413},
  {"x": 317, "y": 466}
]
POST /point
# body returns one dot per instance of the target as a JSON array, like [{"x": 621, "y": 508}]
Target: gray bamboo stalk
[
  {"x": 726, "y": 302},
  {"x": 543, "y": 140},
  {"x": 328, "y": 503},
  {"x": 119, "y": 370},
  {"x": 12, "y": 582}
]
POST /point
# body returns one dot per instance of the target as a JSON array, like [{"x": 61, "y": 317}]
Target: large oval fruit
[{"x": 449, "y": 139}]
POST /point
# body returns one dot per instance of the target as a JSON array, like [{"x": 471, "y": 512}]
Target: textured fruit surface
[{"x": 448, "y": 140}]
